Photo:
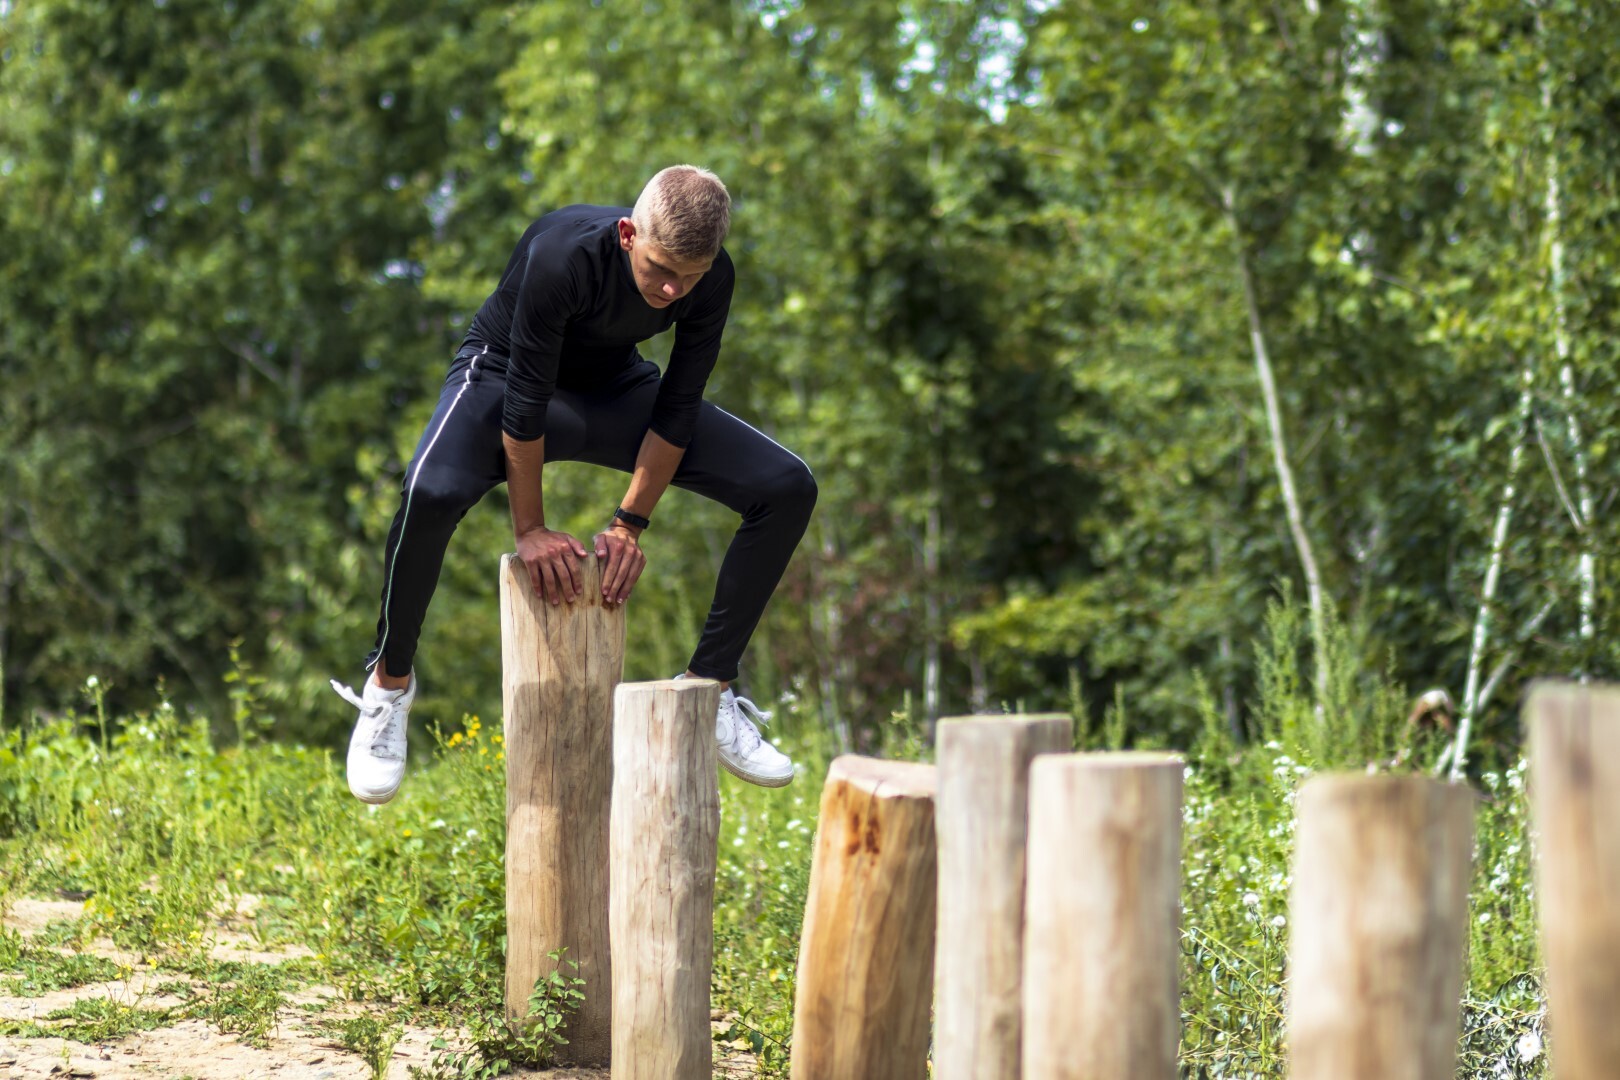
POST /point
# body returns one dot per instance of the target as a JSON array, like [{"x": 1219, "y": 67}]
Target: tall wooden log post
[
  {"x": 666, "y": 825},
  {"x": 1575, "y": 799},
  {"x": 981, "y": 821},
  {"x": 560, "y": 664},
  {"x": 1377, "y": 922},
  {"x": 866, "y": 955},
  {"x": 1102, "y": 916}
]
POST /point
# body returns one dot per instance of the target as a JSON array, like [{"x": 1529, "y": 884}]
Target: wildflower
[
  {"x": 407, "y": 834},
  {"x": 1279, "y": 922},
  {"x": 1251, "y": 899},
  {"x": 1528, "y": 1046}
]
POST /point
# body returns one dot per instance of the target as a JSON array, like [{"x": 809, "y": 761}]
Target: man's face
[{"x": 661, "y": 278}]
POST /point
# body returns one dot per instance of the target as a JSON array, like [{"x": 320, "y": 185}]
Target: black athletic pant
[{"x": 461, "y": 457}]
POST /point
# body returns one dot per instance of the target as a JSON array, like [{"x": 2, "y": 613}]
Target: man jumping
[{"x": 549, "y": 371}]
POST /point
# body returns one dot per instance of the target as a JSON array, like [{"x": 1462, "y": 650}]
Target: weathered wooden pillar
[
  {"x": 866, "y": 955},
  {"x": 1377, "y": 921},
  {"x": 666, "y": 825},
  {"x": 560, "y": 664},
  {"x": 1102, "y": 916},
  {"x": 1575, "y": 799},
  {"x": 981, "y": 820}
]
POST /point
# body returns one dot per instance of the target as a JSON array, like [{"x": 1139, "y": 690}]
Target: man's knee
[
  {"x": 794, "y": 489},
  {"x": 441, "y": 493}
]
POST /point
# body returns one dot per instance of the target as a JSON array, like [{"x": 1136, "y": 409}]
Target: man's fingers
[
  {"x": 548, "y": 577},
  {"x": 632, "y": 574},
  {"x": 566, "y": 575},
  {"x": 618, "y": 554},
  {"x": 534, "y": 575}
]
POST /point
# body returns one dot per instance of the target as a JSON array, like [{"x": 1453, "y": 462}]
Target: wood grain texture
[
  {"x": 866, "y": 955},
  {"x": 1575, "y": 800},
  {"x": 1101, "y": 917},
  {"x": 666, "y": 825},
  {"x": 982, "y": 821},
  {"x": 560, "y": 664},
  {"x": 1377, "y": 921}
]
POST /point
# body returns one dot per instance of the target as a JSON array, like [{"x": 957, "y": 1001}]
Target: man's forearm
[
  {"x": 656, "y": 463},
  {"x": 523, "y": 465}
]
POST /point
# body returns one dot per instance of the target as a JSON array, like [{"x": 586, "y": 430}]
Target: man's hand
[
  {"x": 553, "y": 562},
  {"x": 619, "y": 544}
]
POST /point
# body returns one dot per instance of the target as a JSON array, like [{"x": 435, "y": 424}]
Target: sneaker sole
[
  {"x": 757, "y": 779},
  {"x": 374, "y": 800}
]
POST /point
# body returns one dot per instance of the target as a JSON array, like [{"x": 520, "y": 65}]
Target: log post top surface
[
  {"x": 899, "y": 779},
  {"x": 590, "y": 584},
  {"x": 1567, "y": 710},
  {"x": 993, "y": 720},
  {"x": 1581, "y": 696},
  {"x": 1109, "y": 759},
  {"x": 674, "y": 686},
  {"x": 1380, "y": 789}
]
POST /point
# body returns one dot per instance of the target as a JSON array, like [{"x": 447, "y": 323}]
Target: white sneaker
[
  {"x": 377, "y": 747},
  {"x": 743, "y": 752}
]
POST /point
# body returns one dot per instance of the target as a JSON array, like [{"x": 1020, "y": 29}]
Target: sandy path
[{"x": 296, "y": 1050}]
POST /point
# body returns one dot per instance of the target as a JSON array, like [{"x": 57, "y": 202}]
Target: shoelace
[
  {"x": 374, "y": 713},
  {"x": 747, "y": 733}
]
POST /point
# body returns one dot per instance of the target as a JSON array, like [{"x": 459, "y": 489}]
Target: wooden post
[
  {"x": 666, "y": 824},
  {"x": 866, "y": 955},
  {"x": 560, "y": 664},
  {"x": 1378, "y": 918},
  {"x": 1100, "y": 929},
  {"x": 1575, "y": 800},
  {"x": 982, "y": 821}
]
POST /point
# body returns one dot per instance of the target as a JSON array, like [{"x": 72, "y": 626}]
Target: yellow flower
[
  {"x": 499, "y": 740},
  {"x": 407, "y": 833}
]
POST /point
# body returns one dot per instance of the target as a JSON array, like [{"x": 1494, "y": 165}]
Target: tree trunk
[
  {"x": 560, "y": 664},
  {"x": 1493, "y": 574},
  {"x": 665, "y": 825},
  {"x": 1279, "y": 450},
  {"x": 866, "y": 956},
  {"x": 1575, "y": 803},
  {"x": 1379, "y": 917}
]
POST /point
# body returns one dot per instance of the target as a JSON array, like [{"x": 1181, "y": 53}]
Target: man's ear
[{"x": 627, "y": 232}]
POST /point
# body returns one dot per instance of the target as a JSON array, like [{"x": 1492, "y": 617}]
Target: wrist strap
[{"x": 621, "y": 514}]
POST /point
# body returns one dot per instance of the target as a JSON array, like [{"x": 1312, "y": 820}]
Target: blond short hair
[{"x": 686, "y": 211}]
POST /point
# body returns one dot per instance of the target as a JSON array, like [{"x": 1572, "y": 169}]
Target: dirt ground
[{"x": 296, "y": 1050}]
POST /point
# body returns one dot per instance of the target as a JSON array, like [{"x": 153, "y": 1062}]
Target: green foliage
[
  {"x": 90, "y": 1020},
  {"x": 403, "y": 905},
  {"x": 28, "y": 969},
  {"x": 373, "y": 1040},
  {"x": 499, "y": 1045},
  {"x": 246, "y": 1000},
  {"x": 990, "y": 287}
]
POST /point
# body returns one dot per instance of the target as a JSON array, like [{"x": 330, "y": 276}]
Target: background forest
[{"x": 1103, "y": 326}]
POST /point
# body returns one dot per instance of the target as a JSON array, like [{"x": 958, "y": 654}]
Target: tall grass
[{"x": 403, "y": 905}]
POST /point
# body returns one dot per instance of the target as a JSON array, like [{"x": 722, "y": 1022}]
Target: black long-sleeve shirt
[{"x": 567, "y": 313}]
